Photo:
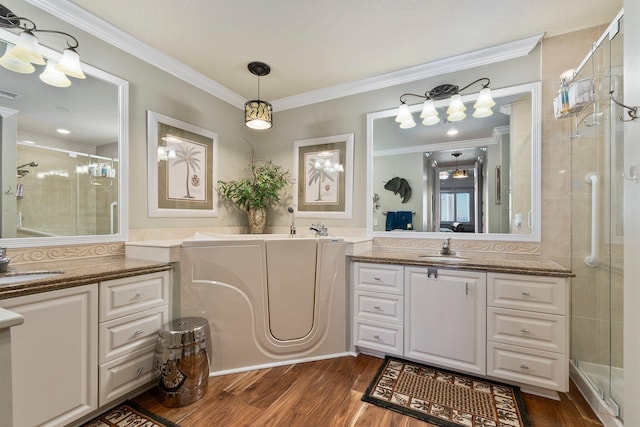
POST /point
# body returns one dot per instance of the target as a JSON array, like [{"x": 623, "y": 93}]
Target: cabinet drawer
[
  {"x": 133, "y": 294},
  {"x": 126, "y": 374},
  {"x": 381, "y": 307},
  {"x": 534, "y": 330},
  {"x": 532, "y": 293},
  {"x": 527, "y": 366},
  {"x": 379, "y": 278},
  {"x": 378, "y": 336},
  {"x": 123, "y": 335}
]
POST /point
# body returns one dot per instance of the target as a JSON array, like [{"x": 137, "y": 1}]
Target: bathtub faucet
[{"x": 319, "y": 229}]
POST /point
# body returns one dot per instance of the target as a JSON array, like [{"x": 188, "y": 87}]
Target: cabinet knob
[
  {"x": 526, "y": 294},
  {"x": 525, "y": 331},
  {"x": 523, "y": 366},
  {"x": 138, "y": 333},
  {"x": 376, "y": 337},
  {"x": 139, "y": 371},
  {"x": 138, "y": 294},
  {"x": 377, "y": 307},
  {"x": 377, "y": 279}
]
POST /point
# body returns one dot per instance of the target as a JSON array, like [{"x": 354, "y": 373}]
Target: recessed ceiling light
[
  {"x": 27, "y": 142},
  {"x": 63, "y": 131},
  {"x": 452, "y": 131}
]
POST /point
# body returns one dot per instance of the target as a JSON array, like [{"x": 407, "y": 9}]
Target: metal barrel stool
[{"x": 182, "y": 361}]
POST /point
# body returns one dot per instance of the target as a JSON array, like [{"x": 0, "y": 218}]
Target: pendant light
[
  {"x": 257, "y": 113},
  {"x": 459, "y": 173}
]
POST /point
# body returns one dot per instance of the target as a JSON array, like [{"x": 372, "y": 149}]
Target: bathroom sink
[
  {"x": 27, "y": 276},
  {"x": 442, "y": 258}
]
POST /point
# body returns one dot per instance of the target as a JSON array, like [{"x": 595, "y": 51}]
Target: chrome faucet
[
  {"x": 319, "y": 229},
  {"x": 4, "y": 260},
  {"x": 445, "y": 248},
  {"x": 292, "y": 228}
]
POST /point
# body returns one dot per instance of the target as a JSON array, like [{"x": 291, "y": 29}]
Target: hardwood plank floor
[{"x": 282, "y": 396}]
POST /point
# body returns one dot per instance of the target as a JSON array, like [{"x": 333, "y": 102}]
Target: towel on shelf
[{"x": 400, "y": 220}]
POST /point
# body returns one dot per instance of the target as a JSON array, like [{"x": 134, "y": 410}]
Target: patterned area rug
[
  {"x": 445, "y": 398},
  {"x": 129, "y": 414}
]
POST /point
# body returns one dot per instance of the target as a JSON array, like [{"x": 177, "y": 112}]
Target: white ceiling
[{"x": 316, "y": 44}]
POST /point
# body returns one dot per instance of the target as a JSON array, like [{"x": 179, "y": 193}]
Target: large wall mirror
[
  {"x": 62, "y": 188},
  {"x": 478, "y": 178}
]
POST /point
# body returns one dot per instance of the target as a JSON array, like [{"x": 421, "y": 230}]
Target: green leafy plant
[{"x": 261, "y": 189}]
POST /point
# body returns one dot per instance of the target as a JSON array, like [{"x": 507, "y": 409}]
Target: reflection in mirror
[
  {"x": 62, "y": 168},
  {"x": 478, "y": 177}
]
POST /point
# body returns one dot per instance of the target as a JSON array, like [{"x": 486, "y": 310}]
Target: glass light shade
[
  {"x": 460, "y": 173},
  {"x": 258, "y": 114},
  {"x": 408, "y": 124},
  {"x": 456, "y": 117},
  {"x": 429, "y": 121},
  {"x": 484, "y": 99},
  {"x": 456, "y": 105},
  {"x": 28, "y": 49},
  {"x": 403, "y": 114},
  {"x": 14, "y": 64},
  {"x": 70, "y": 64},
  {"x": 482, "y": 112},
  {"x": 53, "y": 77},
  {"x": 428, "y": 109}
]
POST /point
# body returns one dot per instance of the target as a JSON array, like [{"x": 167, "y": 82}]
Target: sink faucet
[
  {"x": 319, "y": 229},
  {"x": 445, "y": 248},
  {"x": 4, "y": 260},
  {"x": 292, "y": 228}
]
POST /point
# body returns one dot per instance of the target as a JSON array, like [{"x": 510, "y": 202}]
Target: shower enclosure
[{"x": 597, "y": 230}]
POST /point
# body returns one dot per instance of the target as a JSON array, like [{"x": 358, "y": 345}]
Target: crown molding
[
  {"x": 86, "y": 21},
  {"x": 477, "y": 58}
]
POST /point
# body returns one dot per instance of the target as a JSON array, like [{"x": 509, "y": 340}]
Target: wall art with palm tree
[
  {"x": 181, "y": 168},
  {"x": 324, "y": 177}
]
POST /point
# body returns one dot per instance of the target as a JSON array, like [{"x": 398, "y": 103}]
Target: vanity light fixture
[
  {"x": 257, "y": 113},
  {"x": 456, "y": 110},
  {"x": 21, "y": 57}
]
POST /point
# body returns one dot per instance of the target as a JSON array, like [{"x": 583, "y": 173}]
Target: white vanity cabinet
[
  {"x": 132, "y": 310},
  {"x": 378, "y": 307},
  {"x": 54, "y": 356},
  {"x": 528, "y": 330},
  {"x": 445, "y": 312}
]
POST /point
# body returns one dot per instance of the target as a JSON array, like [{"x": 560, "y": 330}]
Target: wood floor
[{"x": 327, "y": 393}]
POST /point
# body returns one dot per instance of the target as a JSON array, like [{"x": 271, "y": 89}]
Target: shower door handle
[{"x": 594, "y": 259}]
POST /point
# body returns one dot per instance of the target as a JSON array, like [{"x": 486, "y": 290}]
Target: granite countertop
[
  {"x": 517, "y": 264},
  {"x": 76, "y": 272}
]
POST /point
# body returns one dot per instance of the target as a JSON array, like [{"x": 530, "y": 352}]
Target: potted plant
[{"x": 253, "y": 194}]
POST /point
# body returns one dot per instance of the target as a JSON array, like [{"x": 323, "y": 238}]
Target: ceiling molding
[
  {"x": 477, "y": 58},
  {"x": 97, "y": 27},
  {"x": 79, "y": 17}
]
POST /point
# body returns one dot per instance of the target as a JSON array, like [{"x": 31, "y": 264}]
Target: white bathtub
[{"x": 270, "y": 299}]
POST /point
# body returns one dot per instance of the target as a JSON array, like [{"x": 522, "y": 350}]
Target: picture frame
[
  {"x": 323, "y": 177},
  {"x": 181, "y": 168}
]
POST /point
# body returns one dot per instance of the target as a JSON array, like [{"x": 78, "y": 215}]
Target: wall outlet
[{"x": 375, "y": 221}]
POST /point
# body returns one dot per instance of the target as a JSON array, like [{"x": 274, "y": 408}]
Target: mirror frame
[
  {"x": 123, "y": 154},
  {"x": 536, "y": 172}
]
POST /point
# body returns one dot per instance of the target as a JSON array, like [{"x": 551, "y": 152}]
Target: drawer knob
[
  {"x": 526, "y": 294},
  {"x": 139, "y": 371},
  {"x": 377, "y": 307},
  {"x": 138, "y": 294},
  {"x": 525, "y": 331},
  {"x": 377, "y": 279},
  {"x": 523, "y": 366},
  {"x": 376, "y": 337},
  {"x": 138, "y": 333}
]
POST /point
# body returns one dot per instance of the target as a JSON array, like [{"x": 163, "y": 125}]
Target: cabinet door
[
  {"x": 445, "y": 318},
  {"x": 54, "y": 356}
]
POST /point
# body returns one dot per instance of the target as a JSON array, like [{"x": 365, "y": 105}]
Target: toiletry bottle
[{"x": 564, "y": 96}]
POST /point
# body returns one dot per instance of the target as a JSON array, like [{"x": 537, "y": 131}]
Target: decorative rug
[
  {"x": 129, "y": 414},
  {"x": 445, "y": 398}
]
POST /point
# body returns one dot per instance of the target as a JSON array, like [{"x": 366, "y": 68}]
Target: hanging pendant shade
[
  {"x": 14, "y": 64},
  {"x": 27, "y": 49},
  {"x": 53, "y": 77},
  {"x": 258, "y": 114},
  {"x": 70, "y": 64}
]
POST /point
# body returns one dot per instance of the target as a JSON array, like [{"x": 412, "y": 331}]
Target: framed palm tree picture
[
  {"x": 181, "y": 169},
  {"x": 323, "y": 172}
]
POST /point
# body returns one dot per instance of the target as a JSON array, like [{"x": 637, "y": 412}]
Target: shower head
[{"x": 32, "y": 164}]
